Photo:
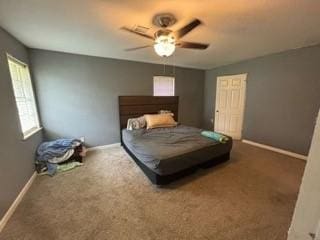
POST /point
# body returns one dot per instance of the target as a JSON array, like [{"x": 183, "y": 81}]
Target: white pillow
[{"x": 166, "y": 112}]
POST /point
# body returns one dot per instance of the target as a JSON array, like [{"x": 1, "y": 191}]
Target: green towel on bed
[{"x": 215, "y": 136}]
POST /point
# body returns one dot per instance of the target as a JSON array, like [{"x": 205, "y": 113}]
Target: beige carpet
[{"x": 252, "y": 197}]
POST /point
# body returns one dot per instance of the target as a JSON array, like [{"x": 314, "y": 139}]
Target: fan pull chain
[{"x": 174, "y": 65}]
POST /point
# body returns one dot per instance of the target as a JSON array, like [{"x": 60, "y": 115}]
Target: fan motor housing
[{"x": 164, "y": 20}]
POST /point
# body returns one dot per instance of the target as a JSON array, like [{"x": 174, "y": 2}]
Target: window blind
[
  {"x": 163, "y": 86},
  {"x": 23, "y": 92}
]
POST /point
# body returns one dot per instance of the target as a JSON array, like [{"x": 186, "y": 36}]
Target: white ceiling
[{"x": 236, "y": 29}]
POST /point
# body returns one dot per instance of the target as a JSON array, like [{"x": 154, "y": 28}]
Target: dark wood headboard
[{"x": 136, "y": 106}]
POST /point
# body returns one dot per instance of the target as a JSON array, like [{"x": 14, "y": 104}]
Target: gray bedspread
[{"x": 169, "y": 150}]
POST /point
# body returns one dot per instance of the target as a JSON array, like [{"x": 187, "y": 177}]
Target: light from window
[
  {"x": 163, "y": 86},
  {"x": 23, "y": 92}
]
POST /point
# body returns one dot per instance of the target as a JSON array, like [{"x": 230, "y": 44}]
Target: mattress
[{"x": 169, "y": 150}]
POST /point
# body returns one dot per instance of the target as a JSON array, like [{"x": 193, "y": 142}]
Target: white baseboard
[
  {"x": 16, "y": 202},
  {"x": 278, "y": 150},
  {"x": 103, "y": 147}
]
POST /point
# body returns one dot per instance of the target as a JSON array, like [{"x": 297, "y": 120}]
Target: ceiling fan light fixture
[
  {"x": 165, "y": 46},
  {"x": 165, "y": 40}
]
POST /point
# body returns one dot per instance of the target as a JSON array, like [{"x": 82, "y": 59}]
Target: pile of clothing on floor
[{"x": 59, "y": 155}]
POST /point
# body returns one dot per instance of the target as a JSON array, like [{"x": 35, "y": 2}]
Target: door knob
[{"x": 217, "y": 111}]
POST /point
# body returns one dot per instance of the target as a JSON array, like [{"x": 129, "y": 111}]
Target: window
[
  {"x": 23, "y": 92},
  {"x": 163, "y": 86}
]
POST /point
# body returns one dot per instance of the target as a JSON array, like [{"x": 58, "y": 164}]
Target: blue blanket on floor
[
  {"x": 50, "y": 150},
  {"x": 56, "y": 148}
]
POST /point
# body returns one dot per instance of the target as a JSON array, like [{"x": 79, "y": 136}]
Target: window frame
[
  {"x": 28, "y": 133},
  {"x": 174, "y": 86}
]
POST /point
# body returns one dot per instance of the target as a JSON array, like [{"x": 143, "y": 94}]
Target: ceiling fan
[{"x": 166, "y": 40}]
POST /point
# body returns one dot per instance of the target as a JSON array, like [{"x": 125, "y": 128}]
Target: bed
[{"x": 166, "y": 154}]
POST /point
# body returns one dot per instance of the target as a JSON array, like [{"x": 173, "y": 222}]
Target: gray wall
[
  {"x": 16, "y": 156},
  {"x": 78, "y": 95},
  {"x": 282, "y": 101}
]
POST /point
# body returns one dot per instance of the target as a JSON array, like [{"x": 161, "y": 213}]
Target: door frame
[{"x": 244, "y": 86}]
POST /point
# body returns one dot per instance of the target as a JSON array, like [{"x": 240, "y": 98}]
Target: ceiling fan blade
[
  {"x": 137, "y": 48},
  {"x": 184, "y": 30},
  {"x": 193, "y": 45},
  {"x": 138, "y": 33}
]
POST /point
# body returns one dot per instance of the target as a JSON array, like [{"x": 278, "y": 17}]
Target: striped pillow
[{"x": 136, "y": 123}]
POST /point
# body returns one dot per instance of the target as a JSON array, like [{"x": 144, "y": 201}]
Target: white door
[{"x": 230, "y": 100}]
